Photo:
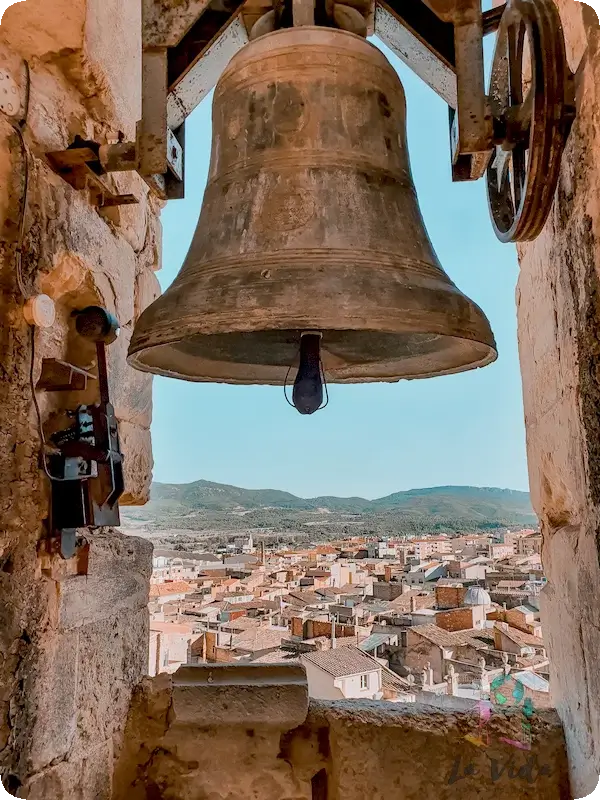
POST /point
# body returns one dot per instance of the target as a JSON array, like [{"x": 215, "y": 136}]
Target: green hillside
[{"x": 207, "y": 507}]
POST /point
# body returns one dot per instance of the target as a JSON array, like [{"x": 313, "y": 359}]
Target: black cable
[
  {"x": 19, "y": 128},
  {"x": 23, "y": 120},
  {"x": 38, "y": 412},
  {"x": 22, "y": 215},
  {"x": 285, "y": 384}
]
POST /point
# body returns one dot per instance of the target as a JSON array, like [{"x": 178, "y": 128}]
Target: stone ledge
[
  {"x": 208, "y": 695},
  {"x": 432, "y": 753},
  {"x": 247, "y": 735}
]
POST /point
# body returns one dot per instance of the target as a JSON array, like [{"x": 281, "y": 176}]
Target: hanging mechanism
[
  {"x": 513, "y": 134},
  {"x": 85, "y": 466}
]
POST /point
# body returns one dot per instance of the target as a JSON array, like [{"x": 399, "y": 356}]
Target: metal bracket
[
  {"x": 63, "y": 556},
  {"x": 59, "y": 376},
  {"x": 442, "y": 42},
  {"x": 79, "y": 166},
  {"x": 185, "y": 46},
  {"x": 176, "y": 37}
]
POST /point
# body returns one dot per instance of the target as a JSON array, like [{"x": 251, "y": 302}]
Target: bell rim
[
  {"x": 449, "y": 311},
  {"x": 135, "y": 360}
]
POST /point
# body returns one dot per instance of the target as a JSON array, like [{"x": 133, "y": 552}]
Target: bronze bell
[{"x": 310, "y": 222}]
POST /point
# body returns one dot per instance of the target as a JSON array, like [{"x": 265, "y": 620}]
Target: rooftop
[
  {"x": 160, "y": 553},
  {"x": 257, "y": 639},
  {"x": 390, "y": 680},
  {"x": 444, "y": 638},
  {"x": 251, "y": 605},
  {"x": 375, "y": 640},
  {"x": 171, "y": 627},
  {"x": 532, "y": 681},
  {"x": 511, "y": 584},
  {"x": 277, "y": 656},
  {"x": 166, "y": 589},
  {"x": 519, "y": 637},
  {"x": 423, "y": 600},
  {"x": 343, "y": 661}
]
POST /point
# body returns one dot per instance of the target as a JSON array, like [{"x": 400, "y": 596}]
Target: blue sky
[{"x": 373, "y": 439}]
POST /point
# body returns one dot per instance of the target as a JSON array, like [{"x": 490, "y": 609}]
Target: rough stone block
[
  {"x": 132, "y": 220},
  {"x": 54, "y": 698},
  {"x": 147, "y": 289},
  {"x": 85, "y": 778},
  {"x": 113, "y": 658},
  {"x": 38, "y": 28},
  {"x": 138, "y": 463},
  {"x": 117, "y": 581},
  {"x": 344, "y": 750},
  {"x": 113, "y": 46},
  {"x": 272, "y": 695},
  {"x": 384, "y": 750},
  {"x": 131, "y": 390},
  {"x": 151, "y": 257}
]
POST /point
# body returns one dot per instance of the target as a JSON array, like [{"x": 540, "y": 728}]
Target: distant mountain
[{"x": 474, "y": 506}]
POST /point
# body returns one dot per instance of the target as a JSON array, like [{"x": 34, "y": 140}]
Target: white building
[
  {"x": 423, "y": 573},
  {"x": 426, "y": 547},
  {"x": 386, "y": 550},
  {"x": 343, "y": 672},
  {"x": 346, "y": 572},
  {"x": 169, "y": 646},
  {"x": 179, "y": 565},
  {"x": 244, "y": 545}
]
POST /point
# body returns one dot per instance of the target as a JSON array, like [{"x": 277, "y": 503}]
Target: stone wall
[
  {"x": 456, "y": 619},
  {"x": 312, "y": 628},
  {"x": 558, "y": 300},
  {"x": 71, "y": 648},
  {"x": 79, "y": 689},
  {"x": 202, "y": 734},
  {"x": 450, "y": 596}
]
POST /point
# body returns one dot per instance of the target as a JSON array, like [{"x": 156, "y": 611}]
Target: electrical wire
[
  {"x": 326, "y": 403},
  {"x": 23, "y": 213},
  {"x": 38, "y": 413},
  {"x": 285, "y": 384},
  {"x": 19, "y": 127}
]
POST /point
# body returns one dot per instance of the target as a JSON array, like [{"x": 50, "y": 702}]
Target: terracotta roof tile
[
  {"x": 342, "y": 661},
  {"x": 445, "y": 638},
  {"x": 166, "y": 589},
  {"x": 520, "y": 637}
]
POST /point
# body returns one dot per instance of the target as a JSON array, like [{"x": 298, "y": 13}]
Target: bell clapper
[{"x": 307, "y": 395}]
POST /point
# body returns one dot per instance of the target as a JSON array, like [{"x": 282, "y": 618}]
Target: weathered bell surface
[{"x": 310, "y": 222}]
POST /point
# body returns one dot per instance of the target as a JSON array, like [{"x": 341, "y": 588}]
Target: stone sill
[{"x": 250, "y": 731}]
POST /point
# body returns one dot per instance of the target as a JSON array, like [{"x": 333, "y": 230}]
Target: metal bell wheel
[{"x": 531, "y": 102}]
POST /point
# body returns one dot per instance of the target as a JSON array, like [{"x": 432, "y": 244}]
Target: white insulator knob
[{"x": 40, "y": 311}]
